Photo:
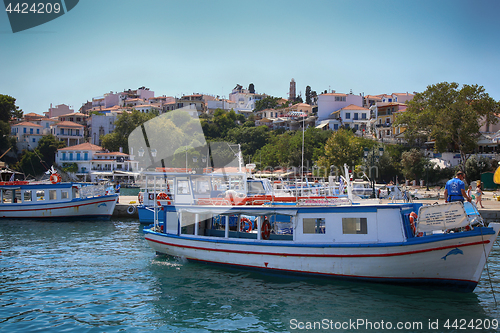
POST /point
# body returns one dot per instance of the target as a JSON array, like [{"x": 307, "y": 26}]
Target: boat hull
[
  {"x": 448, "y": 261},
  {"x": 101, "y": 207}
]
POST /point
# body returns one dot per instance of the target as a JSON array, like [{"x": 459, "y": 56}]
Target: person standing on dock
[
  {"x": 479, "y": 193},
  {"x": 117, "y": 190},
  {"x": 455, "y": 189}
]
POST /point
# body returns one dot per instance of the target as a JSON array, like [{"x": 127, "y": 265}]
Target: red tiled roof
[
  {"x": 116, "y": 153},
  {"x": 354, "y": 107},
  {"x": 27, "y": 123},
  {"x": 68, "y": 124},
  {"x": 83, "y": 146}
]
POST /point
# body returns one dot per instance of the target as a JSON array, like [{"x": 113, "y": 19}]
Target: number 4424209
[{"x": 35, "y": 8}]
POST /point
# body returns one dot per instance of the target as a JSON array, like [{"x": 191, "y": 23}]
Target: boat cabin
[{"x": 286, "y": 223}]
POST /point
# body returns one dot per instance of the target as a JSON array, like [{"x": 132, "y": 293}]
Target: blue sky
[{"x": 200, "y": 46}]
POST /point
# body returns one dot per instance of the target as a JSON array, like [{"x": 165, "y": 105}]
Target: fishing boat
[
  {"x": 444, "y": 246},
  {"x": 49, "y": 200}
]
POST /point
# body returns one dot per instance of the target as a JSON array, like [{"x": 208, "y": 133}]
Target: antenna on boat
[{"x": 347, "y": 180}]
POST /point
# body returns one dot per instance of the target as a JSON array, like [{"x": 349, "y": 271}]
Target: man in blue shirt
[{"x": 455, "y": 189}]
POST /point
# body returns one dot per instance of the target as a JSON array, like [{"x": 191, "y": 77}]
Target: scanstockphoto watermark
[
  {"x": 357, "y": 324},
  {"x": 364, "y": 325},
  {"x": 362, "y": 172}
]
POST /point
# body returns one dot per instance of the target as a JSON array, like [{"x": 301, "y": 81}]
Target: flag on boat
[
  {"x": 12, "y": 177},
  {"x": 341, "y": 186}
]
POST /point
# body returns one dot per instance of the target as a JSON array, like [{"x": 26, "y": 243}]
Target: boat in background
[{"x": 55, "y": 199}]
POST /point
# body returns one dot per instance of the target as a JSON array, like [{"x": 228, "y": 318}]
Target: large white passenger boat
[
  {"x": 26, "y": 200},
  {"x": 406, "y": 243}
]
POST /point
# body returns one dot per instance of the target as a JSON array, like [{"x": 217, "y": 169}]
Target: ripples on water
[{"x": 103, "y": 277}]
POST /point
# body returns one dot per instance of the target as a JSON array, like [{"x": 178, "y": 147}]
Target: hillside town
[{"x": 82, "y": 131}]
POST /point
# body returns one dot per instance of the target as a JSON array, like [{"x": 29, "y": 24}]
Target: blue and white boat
[
  {"x": 44, "y": 200},
  {"x": 444, "y": 246},
  {"x": 217, "y": 220}
]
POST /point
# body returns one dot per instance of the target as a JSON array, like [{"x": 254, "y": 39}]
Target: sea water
[{"x": 95, "y": 276}]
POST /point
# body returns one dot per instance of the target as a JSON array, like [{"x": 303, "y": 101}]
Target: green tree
[
  {"x": 8, "y": 108},
  {"x": 308, "y": 95},
  {"x": 47, "y": 148},
  {"x": 343, "y": 147},
  {"x": 39, "y": 160},
  {"x": 268, "y": 102},
  {"x": 413, "y": 163},
  {"x": 450, "y": 116},
  {"x": 475, "y": 166},
  {"x": 250, "y": 138},
  {"x": 124, "y": 125},
  {"x": 30, "y": 164}
]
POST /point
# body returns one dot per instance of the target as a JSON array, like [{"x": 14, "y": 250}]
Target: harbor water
[{"x": 101, "y": 276}]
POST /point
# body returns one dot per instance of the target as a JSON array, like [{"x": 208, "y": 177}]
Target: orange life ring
[
  {"x": 55, "y": 178},
  {"x": 265, "y": 232},
  {"x": 162, "y": 196},
  {"x": 413, "y": 224},
  {"x": 140, "y": 197},
  {"x": 244, "y": 221}
]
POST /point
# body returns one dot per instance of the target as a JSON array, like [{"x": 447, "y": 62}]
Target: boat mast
[{"x": 302, "y": 168}]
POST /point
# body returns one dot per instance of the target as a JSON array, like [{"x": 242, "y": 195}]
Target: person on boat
[
  {"x": 455, "y": 189},
  {"x": 479, "y": 193}
]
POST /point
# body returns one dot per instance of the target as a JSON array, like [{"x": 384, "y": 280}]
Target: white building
[
  {"x": 245, "y": 100},
  {"x": 69, "y": 132},
  {"x": 142, "y": 93},
  {"x": 27, "y": 135},
  {"x": 223, "y": 104},
  {"x": 148, "y": 108},
  {"x": 40, "y": 120},
  {"x": 351, "y": 116},
  {"x": 331, "y": 102},
  {"x": 94, "y": 163},
  {"x": 101, "y": 124},
  {"x": 402, "y": 97}
]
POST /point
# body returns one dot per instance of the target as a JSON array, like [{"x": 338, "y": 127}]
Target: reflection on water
[{"x": 102, "y": 276}]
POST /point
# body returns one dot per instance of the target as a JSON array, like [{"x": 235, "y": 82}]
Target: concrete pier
[{"x": 122, "y": 208}]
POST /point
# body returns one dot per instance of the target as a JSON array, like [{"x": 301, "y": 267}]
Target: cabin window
[
  {"x": 183, "y": 187},
  {"x": 27, "y": 196},
  {"x": 202, "y": 186},
  {"x": 64, "y": 195},
  {"x": 256, "y": 188},
  {"x": 17, "y": 196},
  {"x": 313, "y": 226},
  {"x": 40, "y": 195},
  {"x": 52, "y": 195},
  {"x": 354, "y": 225}
]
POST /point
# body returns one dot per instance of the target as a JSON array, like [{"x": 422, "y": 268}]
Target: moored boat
[
  {"x": 42, "y": 200},
  {"x": 444, "y": 246}
]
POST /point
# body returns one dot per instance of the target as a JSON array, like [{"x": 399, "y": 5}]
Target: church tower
[{"x": 291, "y": 94}]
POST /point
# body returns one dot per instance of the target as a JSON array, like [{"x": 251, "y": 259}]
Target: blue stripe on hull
[
  {"x": 69, "y": 217},
  {"x": 479, "y": 231}
]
